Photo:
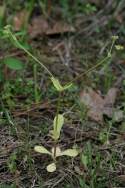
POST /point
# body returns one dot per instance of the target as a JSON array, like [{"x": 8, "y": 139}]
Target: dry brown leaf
[
  {"x": 121, "y": 178},
  {"x": 109, "y": 101},
  {"x": 94, "y": 103},
  {"x": 19, "y": 20},
  {"x": 60, "y": 27},
  {"x": 40, "y": 26},
  {"x": 97, "y": 105},
  {"x": 119, "y": 18}
]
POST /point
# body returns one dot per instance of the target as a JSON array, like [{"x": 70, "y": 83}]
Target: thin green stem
[
  {"x": 58, "y": 108},
  {"x": 95, "y": 66},
  {"x": 110, "y": 51},
  {"x": 27, "y": 52},
  {"x": 108, "y": 133},
  {"x": 35, "y": 83},
  {"x": 12, "y": 36},
  {"x": 88, "y": 71}
]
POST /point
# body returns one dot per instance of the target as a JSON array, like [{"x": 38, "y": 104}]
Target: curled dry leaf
[{"x": 97, "y": 105}]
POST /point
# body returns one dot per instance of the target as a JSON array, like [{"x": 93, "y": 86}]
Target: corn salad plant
[
  {"x": 56, "y": 151},
  {"x": 59, "y": 118}
]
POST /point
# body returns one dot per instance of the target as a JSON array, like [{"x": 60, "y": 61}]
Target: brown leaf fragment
[
  {"x": 94, "y": 103},
  {"x": 39, "y": 26},
  {"x": 19, "y": 20},
  {"x": 109, "y": 101},
  {"x": 59, "y": 28},
  {"x": 118, "y": 115},
  {"x": 121, "y": 178},
  {"x": 98, "y": 106},
  {"x": 111, "y": 96},
  {"x": 119, "y": 18}
]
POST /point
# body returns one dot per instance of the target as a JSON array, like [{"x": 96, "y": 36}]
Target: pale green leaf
[
  {"x": 70, "y": 152},
  {"x": 58, "y": 86},
  {"x": 51, "y": 167},
  {"x": 115, "y": 37},
  {"x": 58, "y": 151},
  {"x": 2, "y": 11},
  {"x": 84, "y": 159},
  {"x": 41, "y": 149},
  {"x": 57, "y": 124},
  {"x": 13, "y": 63},
  {"x": 67, "y": 86},
  {"x": 54, "y": 134}
]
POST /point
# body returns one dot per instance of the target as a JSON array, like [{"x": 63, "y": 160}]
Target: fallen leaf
[
  {"x": 19, "y": 20},
  {"x": 119, "y": 17},
  {"x": 118, "y": 115},
  {"x": 121, "y": 178},
  {"x": 109, "y": 101},
  {"x": 98, "y": 105},
  {"x": 39, "y": 26},
  {"x": 94, "y": 103},
  {"x": 59, "y": 28}
]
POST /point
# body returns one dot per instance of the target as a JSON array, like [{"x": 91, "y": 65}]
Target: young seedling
[{"x": 56, "y": 151}]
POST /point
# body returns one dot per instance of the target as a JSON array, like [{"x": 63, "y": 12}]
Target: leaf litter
[
  {"x": 41, "y": 26},
  {"x": 98, "y": 105}
]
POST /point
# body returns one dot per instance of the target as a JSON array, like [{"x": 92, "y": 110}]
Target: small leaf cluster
[{"x": 56, "y": 152}]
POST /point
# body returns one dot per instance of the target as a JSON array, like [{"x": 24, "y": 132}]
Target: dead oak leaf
[
  {"x": 109, "y": 101},
  {"x": 94, "y": 103},
  {"x": 98, "y": 105},
  {"x": 40, "y": 25}
]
